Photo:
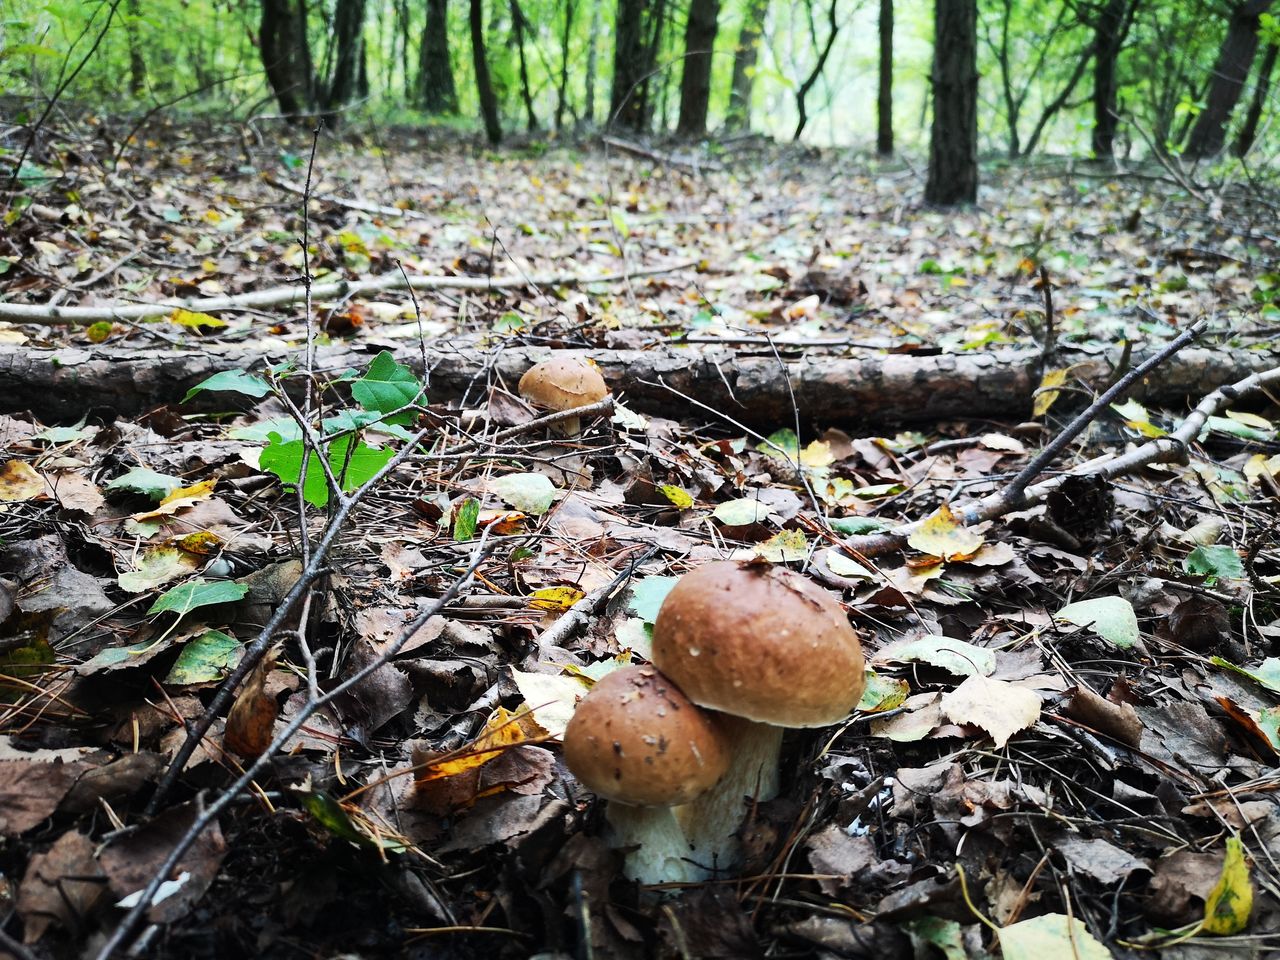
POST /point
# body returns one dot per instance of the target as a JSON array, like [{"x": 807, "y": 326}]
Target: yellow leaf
[
  {"x": 189, "y": 318},
  {"x": 677, "y": 495},
  {"x": 183, "y": 497},
  {"x": 19, "y": 482},
  {"x": 202, "y": 544},
  {"x": 817, "y": 454},
  {"x": 555, "y": 598},
  {"x": 1227, "y": 910},
  {"x": 941, "y": 536},
  {"x": 1046, "y": 395},
  {"x": 503, "y": 730},
  {"x": 98, "y": 332}
]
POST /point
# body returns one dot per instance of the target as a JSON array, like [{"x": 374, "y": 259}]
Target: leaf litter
[{"x": 1101, "y": 769}]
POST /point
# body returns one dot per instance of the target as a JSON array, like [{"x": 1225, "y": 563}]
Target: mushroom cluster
[{"x": 750, "y": 649}]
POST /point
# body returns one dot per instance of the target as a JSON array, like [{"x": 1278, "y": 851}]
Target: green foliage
[
  {"x": 195, "y": 594},
  {"x": 351, "y": 465}
]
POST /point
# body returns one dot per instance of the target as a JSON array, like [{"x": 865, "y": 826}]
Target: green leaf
[
  {"x": 65, "y": 434},
  {"x": 284, "y": 459},
  {"x": 1111, "y": 618},
  {"x": 329, "y": 813},
  {"x": 158, "y": 565},
  {"x": 646, "y": 596},
  {"x": 232, "y": 381},
  {"x": 190, "y": 596},
  {"x": 1051, "y": 935},
  {"x": 955, "y": 656},
  {"x": 856, "y": 526},
  {"x": 946, "y": 935},
  {"x": 387, "y": 386},
  {"x": 530, "y": 493},
  {"x": 464, "y": 521},
  {"x": 157, "y": 486},
  {"x": 741, "y": 512},
  {"x": 882, "y": 693},
  {"x": 785, "y": 439},
  {"x": 1215, "y": 563},
  {"x": 1266, "y": 673},
  {"x": 206, "y": 659}
]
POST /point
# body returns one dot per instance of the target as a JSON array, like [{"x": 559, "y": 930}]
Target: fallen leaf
[
  {"x": 955, "y": 656},
  {"x": 1230, "y": 902},
  {"x": 60, "y": 886},
  {"x": 942, "y": 536},
  {"x": 251, "y": 719},
  {"x": 1111, "y": 618},
  {"x": 1052, "y": 935},
  {"x": 18, "y": 482},
  {"x": 998, "y": 707}
]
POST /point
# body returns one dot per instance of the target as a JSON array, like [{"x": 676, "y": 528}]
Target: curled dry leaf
[{"x": 252, "y": 717}]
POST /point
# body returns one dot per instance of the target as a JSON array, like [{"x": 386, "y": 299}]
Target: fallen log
[{"x": 863, "y": 389}]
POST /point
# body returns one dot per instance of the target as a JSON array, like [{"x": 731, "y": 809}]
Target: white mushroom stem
[
  {"x": 655, "y": 845},
  {"x": 712, "y": 821}
]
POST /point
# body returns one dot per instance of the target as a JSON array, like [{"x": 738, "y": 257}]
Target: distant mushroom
[
  {"x": 636, "y": 741},
  {"x": 770, "y": 650},
  {"x": 563, "y": 383}
]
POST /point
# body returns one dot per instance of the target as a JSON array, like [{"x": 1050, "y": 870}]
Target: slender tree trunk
[
  {"x": 348, "y": 28},
  {"x": 652, "y": 82},
  {"x": 1106, "y": 51},
  {"x": 1235, "y": 59},
  {"x": 436, "y": 90},
  {"x": 137, "y": 65},
  {"x": 744, "y": 65},
  {"x": 953, "y": 141},
  {"x": 484, "y": 85},
  {"x": 627, "y": 100},
  {"x": 282, "y": 40},
  {"x": 833, "y": 29},
  {"x": 1261, "y": 90},
  {"x": 884, "y": 97},
  {"x": 695, "y": 81},
  {"x": 518, "y": 24},
  {"x": 566, "y": 35},
  {"x": 593, "y": 65}
]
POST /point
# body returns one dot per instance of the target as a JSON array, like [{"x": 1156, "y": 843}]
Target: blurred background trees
[{"x": 1103, "y": 79}]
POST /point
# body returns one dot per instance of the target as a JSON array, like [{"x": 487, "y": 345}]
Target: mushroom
[
  {"x": 768, "y": 649},
  {"x": 562, "y": 383},
  {"x": 636, "y": 741}
]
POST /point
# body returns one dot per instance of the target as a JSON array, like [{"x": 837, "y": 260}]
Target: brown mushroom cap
[
  {"x": 636, "y": 739},
  {"x": 762, "y": 642},
  {"x": 562, "y": 383}
]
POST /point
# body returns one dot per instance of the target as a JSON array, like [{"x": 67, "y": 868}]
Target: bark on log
[{"x": 872, "y": 389}]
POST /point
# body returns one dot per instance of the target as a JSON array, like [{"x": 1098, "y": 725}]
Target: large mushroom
[
  {"x": 636, "y": 741},
  {"x": 563, "y": 383},
  {"x": 768, "y": 649}
]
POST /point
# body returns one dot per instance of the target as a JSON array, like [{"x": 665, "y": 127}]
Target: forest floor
[{"x": 1069, "y": 741}]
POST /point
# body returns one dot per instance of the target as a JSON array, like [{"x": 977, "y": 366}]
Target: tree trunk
[
  {"x": 695, "y": 81},
  {"x": 348, "y": 28},
  {"x": 884, "y": 98},
  {"x": 436, "y": 91},
  {"x": 1249, "y": 132},
  {"x": 833, "y": 29},
  {"x": 627, "y": 102},
  {"x": 593, "y": 60},
  {"x": 953, "y": 140},
  {"x": 858, "y": 389},
  {"x": 1235, "y": 59},
  {"x": 744, "y": 65},
  {"x": 1107, "y": 38},
  {"x": 518, "y": 24},
  {"x": 285, "y": 58},
  {"x": 484, "y": 85},
  {"x": 566, "y": 36},
  {"x": 137, "y": 65}
]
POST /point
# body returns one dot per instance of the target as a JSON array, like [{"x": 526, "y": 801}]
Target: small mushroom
[
  {"x": 563, "y": 383},
  {"x": 636, "y": 741},
  {"x": 770, "y": 650}
]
